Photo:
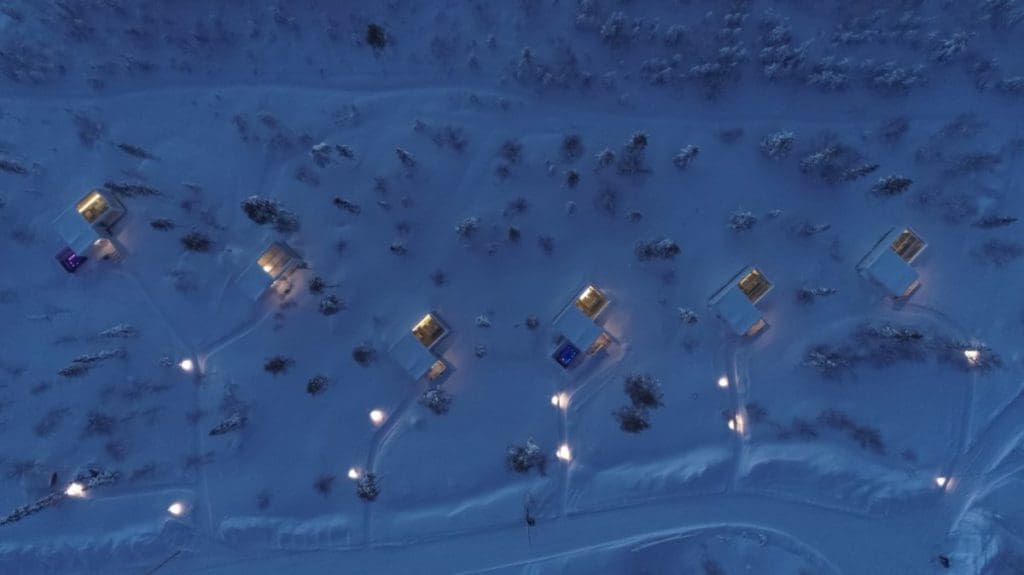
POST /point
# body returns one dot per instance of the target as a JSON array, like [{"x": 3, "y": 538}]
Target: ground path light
[
  {"x": 941, "y": 481},
  {"x": 723, "y": 382},
  {"x": 187, "y": 365},
  {"x": 564, "y": 453},
  {"x": 560, "y": 400},
  {"x": 353, "y": 473},
  {"x": 76, "y": 489},
  {"x": 972, "y": 356},
  {"x": 176, "y": 509},
  {"x": 377, "y": 416}
]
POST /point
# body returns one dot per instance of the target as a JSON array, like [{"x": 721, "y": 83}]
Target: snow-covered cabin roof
[
  {"x": 577, "y": 328},
  {"x": 410, "y": 354},
  {"x": 75, "y": 232},
  {"x": 274, "y": 262},
  {"x": 888, "y": 263},
  {"x": 735, "y": 306}
]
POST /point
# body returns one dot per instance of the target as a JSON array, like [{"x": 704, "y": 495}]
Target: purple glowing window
[
  {"x": 69, "y": 260},
  {"x": 565, "y": 354}
]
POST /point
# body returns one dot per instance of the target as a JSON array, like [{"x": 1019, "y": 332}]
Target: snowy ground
[{"x": 908, "y": 460}]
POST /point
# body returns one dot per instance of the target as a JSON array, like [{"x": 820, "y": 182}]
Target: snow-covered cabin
[
  {"x": 86, "y": 228},
  {"x": 736, "y": 302},
  {"x": 414, "y": 350},
  {"x": 271, "y": 270},
  {"x": 888, "y": 263},
  {"x": 577, "y": 329}
]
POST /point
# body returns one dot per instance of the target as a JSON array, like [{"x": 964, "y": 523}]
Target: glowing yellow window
[
  {"x": 92, "y": 207},
  {"x": 436, "y": 370},
  {"x": 428, "y": 330},
  {"x": 907, "y": 245},
  {"x": 755, "y": 285},
  {"x": 591, "y": 301}
]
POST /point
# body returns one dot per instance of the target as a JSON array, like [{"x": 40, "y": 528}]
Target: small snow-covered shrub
[
  {"x": 348, "y": 206},
  {"x": 893, "y": 130},
  {"x": 162, "y": 224},
  {"x": 480, "y": 350},
  {"x": 891, "y": 186},
  {"x": 994, "y": 221},
  {"x": 407, "y": 159},
  {"x": 523, "y": 458},
  {"x": 99, "y": 423},
  {"x": 1000, "y": 252},
  {"x": 572, "y": 147},
  {"x": 778, "y": 145},
  {"x": 233, "y": 422},
  {"x": 511, "y": 151},
  {"x": 547, "y": 244},
  {"x": 317, "y": 384},
  {"x": 364, "y": 354},
  {"x": 656, "y": 249},
  {"x": 632, "y": 162},
  {"x": 893, "y": 79},
  {"x": 836, "y": 162},
  {"x": 572, "y": 178},
  {"x": 688, "y": 316},
  {"x": 643, "y": 390},
  {"x": 467, "y": 227},
  {"x": 631, "y": 418},
  {"x": 277, "y": 364},
  {"x": 614, "y": 31},
  {"x": 830, "y": 361},
  {"x": 830, "y": 74},
  {"x": 196, "y": 242},
  {"x": 513, "y": 234},
  {"x": 324, "y": 484},
  {"x": 321, "y": 154},
  {"x": 376, "y": 37},
  {"x": 260, "y": 210},
  {"x": 685, "y": 157},
  {"x": 367, "y": 487},
  {"x": 742, "y": 221},
  {"x": 317, "y": 285},
  {"x": 945, "y": 50},
  {"x": 331, "y": 305},
  {"x": 532, "y": 322},
  {"x": 807, "y": 295},
  {"x": 437, "y": 400},
  {"x": 604, "y": 158}
]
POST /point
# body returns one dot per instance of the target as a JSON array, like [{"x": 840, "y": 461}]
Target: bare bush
[
  {"x": 523, "y": 458},
  {"x": 278, "y": 364},
  {"x": 657, "y": 249},
  {"x": 631, "y": 418},
  {"x": 436, "y": 399}
]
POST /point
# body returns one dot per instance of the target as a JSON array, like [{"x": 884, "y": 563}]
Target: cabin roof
[
  {"x": 577, "y": 327},
  {"x": 411, "y": 356},
  {"x": 735, "y": 308}
]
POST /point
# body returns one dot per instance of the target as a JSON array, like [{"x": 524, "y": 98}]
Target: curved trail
[{"x": 882, "y": 544}]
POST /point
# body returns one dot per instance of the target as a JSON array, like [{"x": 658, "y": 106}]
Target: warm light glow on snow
[
  {"x": 941, "y": 481},
  {"x": 723, "y": 382},
  {"x": 560, "y": 400},
  {"x": 736, "y": 424},
  {"x": 176, "y": 509},
  {"x": 268, "y": 268},
  {"x": 377, "y": 416},
  {"x": 353, "y": 473},
  {"x": 76, "y": 489},
  {"x": 186, "y": 365},
  {"x": 972, "y": 355},
  {"x": 564, "y": 453}
]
